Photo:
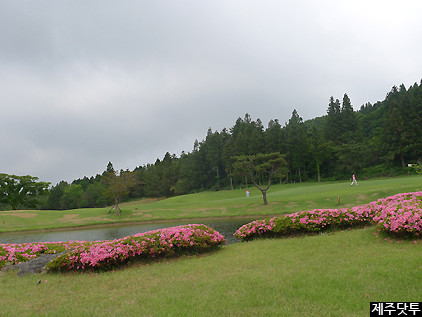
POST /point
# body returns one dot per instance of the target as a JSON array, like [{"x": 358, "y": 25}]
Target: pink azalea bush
[
  {"x": 103, "y": 255},
  {"x": 402, "y": 214},
  {"x": 17, "y": 253},
  {"x": 398, "y": 214}
]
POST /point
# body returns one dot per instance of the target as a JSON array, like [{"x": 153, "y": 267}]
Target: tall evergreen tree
[
  {"x": 319, "y": 149},
  {"x": 214, "y": 144},
  {"x": 333, "y": 124},
  {"x": 169, "y": 175},
  {"x": 296, "y": 144},
  {"x": 273, "y": 137},
  {"x": 394, "y": 127},
  {"x": 110, "y": 168},
  {"x": 247, "y": 136},
  {"x": 153, "y": 178},
  {"x": 348, "y": 120},
  {"x": 56, "y": 194}
]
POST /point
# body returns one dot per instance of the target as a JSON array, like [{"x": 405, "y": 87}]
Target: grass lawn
[
  {"x": 330, "y": 274},
  {"x": 325, "y": 275},
  {"x": 286, "y": 198}
]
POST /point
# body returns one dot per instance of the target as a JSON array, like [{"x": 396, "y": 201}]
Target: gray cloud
[{"x": 87, "y": 82}]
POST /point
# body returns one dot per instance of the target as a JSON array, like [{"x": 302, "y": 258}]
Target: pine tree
[
  {"x": 348, "y": 121},
  {"x": 333, "y": 124},
  {"x": 259, "y": 168},
  {"x": 296, "y": 144}
]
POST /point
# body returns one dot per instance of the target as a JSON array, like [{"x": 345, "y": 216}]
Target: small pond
[{"x": 225, "y": 226}]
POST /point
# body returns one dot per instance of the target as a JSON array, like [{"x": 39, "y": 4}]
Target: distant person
[
  {"x": 354, "y": 180},
  {"x": 247, "y": 193}
]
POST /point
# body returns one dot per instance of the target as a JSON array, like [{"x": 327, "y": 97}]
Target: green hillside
[{"x": 282, "y": 199}]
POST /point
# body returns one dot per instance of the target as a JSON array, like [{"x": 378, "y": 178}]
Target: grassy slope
[
  {"x": 282, "y": 199},
  {"x": 325, "y": 275}
]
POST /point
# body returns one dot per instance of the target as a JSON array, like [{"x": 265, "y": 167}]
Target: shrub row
[
  {"x": 104, "y": 255},
  {"x": 398, "y": 214},
  {"x": 11, "y": 253}
]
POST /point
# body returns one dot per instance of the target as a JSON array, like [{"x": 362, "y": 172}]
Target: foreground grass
[
  {"x": 325, "y": 275},
  {"x": 286, "y": 198}
]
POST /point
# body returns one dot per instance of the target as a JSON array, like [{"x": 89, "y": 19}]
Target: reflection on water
[{"x": 225, "y": 226}]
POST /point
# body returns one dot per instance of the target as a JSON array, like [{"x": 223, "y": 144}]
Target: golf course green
[{"x": 331, "y": 274}]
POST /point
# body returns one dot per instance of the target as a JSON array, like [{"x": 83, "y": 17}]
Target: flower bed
[
  {"x": 402, "y": 214},
  {"x": 398, "y": 214},
  {"x": 17, "y": 253},
  {"x": 103, "y": 255}
]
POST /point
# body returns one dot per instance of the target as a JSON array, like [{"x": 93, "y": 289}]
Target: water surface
[{"x": 225, "y": 226}]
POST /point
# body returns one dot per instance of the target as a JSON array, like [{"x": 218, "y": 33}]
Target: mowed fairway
[{"x": 282, "y": 199}]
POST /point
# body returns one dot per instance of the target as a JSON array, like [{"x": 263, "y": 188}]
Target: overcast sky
[{"x": 86, "y": 82}]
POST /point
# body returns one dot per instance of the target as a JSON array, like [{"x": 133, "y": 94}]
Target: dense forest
[{"x": 377, "y": 140}]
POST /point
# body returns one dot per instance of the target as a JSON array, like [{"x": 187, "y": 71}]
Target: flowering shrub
[
  {"x": 84, "y": 255},
  {"x": 305, "y": 222},
  {"x": 400, "y": 213},
  {"x": 17, "y": 253}
]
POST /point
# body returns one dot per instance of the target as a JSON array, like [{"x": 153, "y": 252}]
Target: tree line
[{"x": 376, "y": 140}]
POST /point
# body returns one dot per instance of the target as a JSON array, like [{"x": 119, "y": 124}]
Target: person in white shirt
[{"x": 354, "y": 180}]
